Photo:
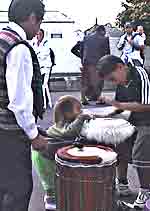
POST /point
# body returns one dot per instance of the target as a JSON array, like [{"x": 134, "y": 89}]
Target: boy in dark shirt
[{"x": 133, "y": 94}]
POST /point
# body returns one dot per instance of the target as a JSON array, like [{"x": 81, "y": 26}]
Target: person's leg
[
  {"x": 141, "y": 160},
  {"x": 144, "y": 177},
  {"x": 16, "y": 170},
  {"x": 121, "y": 171},
  {"x": 124, "y": 151},
  {"x": 93, "y": 82},
  {"x": 46, "y": 94},
  {"x": 50, "y": 192},
  {"x": 100, "y": 99},
  {"x": 43, "y": 75},
  {"x": 84, "y": 81},
  {"x": 16, "y": 200},
  {"x": 44, "y": 90},
  {"x": 1, "y": 197},
  {"x": 46, "y": 171}
]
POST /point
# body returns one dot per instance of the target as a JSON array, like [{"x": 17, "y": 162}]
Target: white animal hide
[{"x": 109, "y": 131}]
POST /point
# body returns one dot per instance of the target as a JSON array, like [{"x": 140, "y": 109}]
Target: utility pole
[{"x": 96, "y": 21}]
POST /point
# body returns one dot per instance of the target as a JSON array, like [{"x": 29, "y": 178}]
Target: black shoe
[{"x": 84, "y": 101}]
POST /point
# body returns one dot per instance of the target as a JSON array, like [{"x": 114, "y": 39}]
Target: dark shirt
[
  {"x": 138, "y": 90},
  {"x": 52, "y": 56},
  {"x": 76, "y": 50},
  {"x": 95, "y": 46}
]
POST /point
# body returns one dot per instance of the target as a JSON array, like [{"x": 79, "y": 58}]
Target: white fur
[{"x": 109, "y": 131}]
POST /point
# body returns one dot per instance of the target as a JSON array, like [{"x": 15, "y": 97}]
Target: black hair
[
  {"x": 42, "y": 30},
  {"x": 20, "y": 10},
  {"x": 107, "y": 65},
  {"x": 128, "y": 25},
  {"x": 101, "y": 28}
]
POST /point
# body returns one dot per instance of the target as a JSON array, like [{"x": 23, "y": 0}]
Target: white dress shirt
[
  {"x": 127, "y": 46},
  {"x": 138, "y": 40},
  {"x": 19, "y": 74},
  {"x": 144, "y": 36},
  {"x": 43, "y": 53}
]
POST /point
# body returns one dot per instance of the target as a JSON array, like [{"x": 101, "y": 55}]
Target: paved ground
[{"x": 37, "y": 196}]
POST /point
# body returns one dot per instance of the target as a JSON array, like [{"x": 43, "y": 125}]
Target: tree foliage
[{"x": 137, "y": 12}]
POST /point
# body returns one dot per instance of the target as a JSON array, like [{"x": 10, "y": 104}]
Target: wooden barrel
[{"x": 84, "y": 178}]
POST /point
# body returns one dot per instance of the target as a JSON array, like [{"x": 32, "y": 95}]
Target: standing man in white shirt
[
  {"x": 140, "y": 30},
  {"x": 19, "y": 80},
  {"x": 42, "y": 49},
  {"x": 131, "y": 44}
]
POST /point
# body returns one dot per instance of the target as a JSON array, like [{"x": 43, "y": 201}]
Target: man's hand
[
  {"x": 87, "y": 116},
  {"x": 109, "y": 101},
  {"x": 99, "y": 116},
  {"x": 101, "y": 100},
  {"x": 115, "y": 103},
  {"x": 40, "y": 143}
]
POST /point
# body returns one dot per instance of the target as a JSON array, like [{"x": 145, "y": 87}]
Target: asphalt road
[{"x": 36, "y": 203}]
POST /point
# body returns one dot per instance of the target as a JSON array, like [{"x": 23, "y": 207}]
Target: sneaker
[
  {"x": 49, "y": 203},
  {"x": 84, "y": 102},
  {"x": 123, "y": 189},
  {"x": 142, "y": 197}
]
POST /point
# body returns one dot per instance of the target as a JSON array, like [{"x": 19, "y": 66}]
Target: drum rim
[
  {"x": 83, "y": 165},
  {"x": 64, "y": 156}
]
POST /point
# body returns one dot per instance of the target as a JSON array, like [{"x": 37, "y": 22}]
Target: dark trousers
[
  {"x": 15, "y": 171},
  {"x": 91, "y": 86}
]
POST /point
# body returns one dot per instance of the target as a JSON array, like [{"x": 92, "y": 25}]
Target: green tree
[{"x": 137, "y": 12}]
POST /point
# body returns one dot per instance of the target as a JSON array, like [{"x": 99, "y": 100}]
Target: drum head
[{"x": 89, "y": 154}]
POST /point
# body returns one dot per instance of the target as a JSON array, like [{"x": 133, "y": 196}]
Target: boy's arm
[
  {"x": 69, "y": 129},
  {"x": 75, "y": 127}
]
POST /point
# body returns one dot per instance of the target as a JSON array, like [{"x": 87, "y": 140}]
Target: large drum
[
  {"x": 108, "y": 130},
  {"x": 84, "y": 178}
]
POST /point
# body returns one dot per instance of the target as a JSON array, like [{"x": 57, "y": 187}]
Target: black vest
[{"x": 8, "y": 40}]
